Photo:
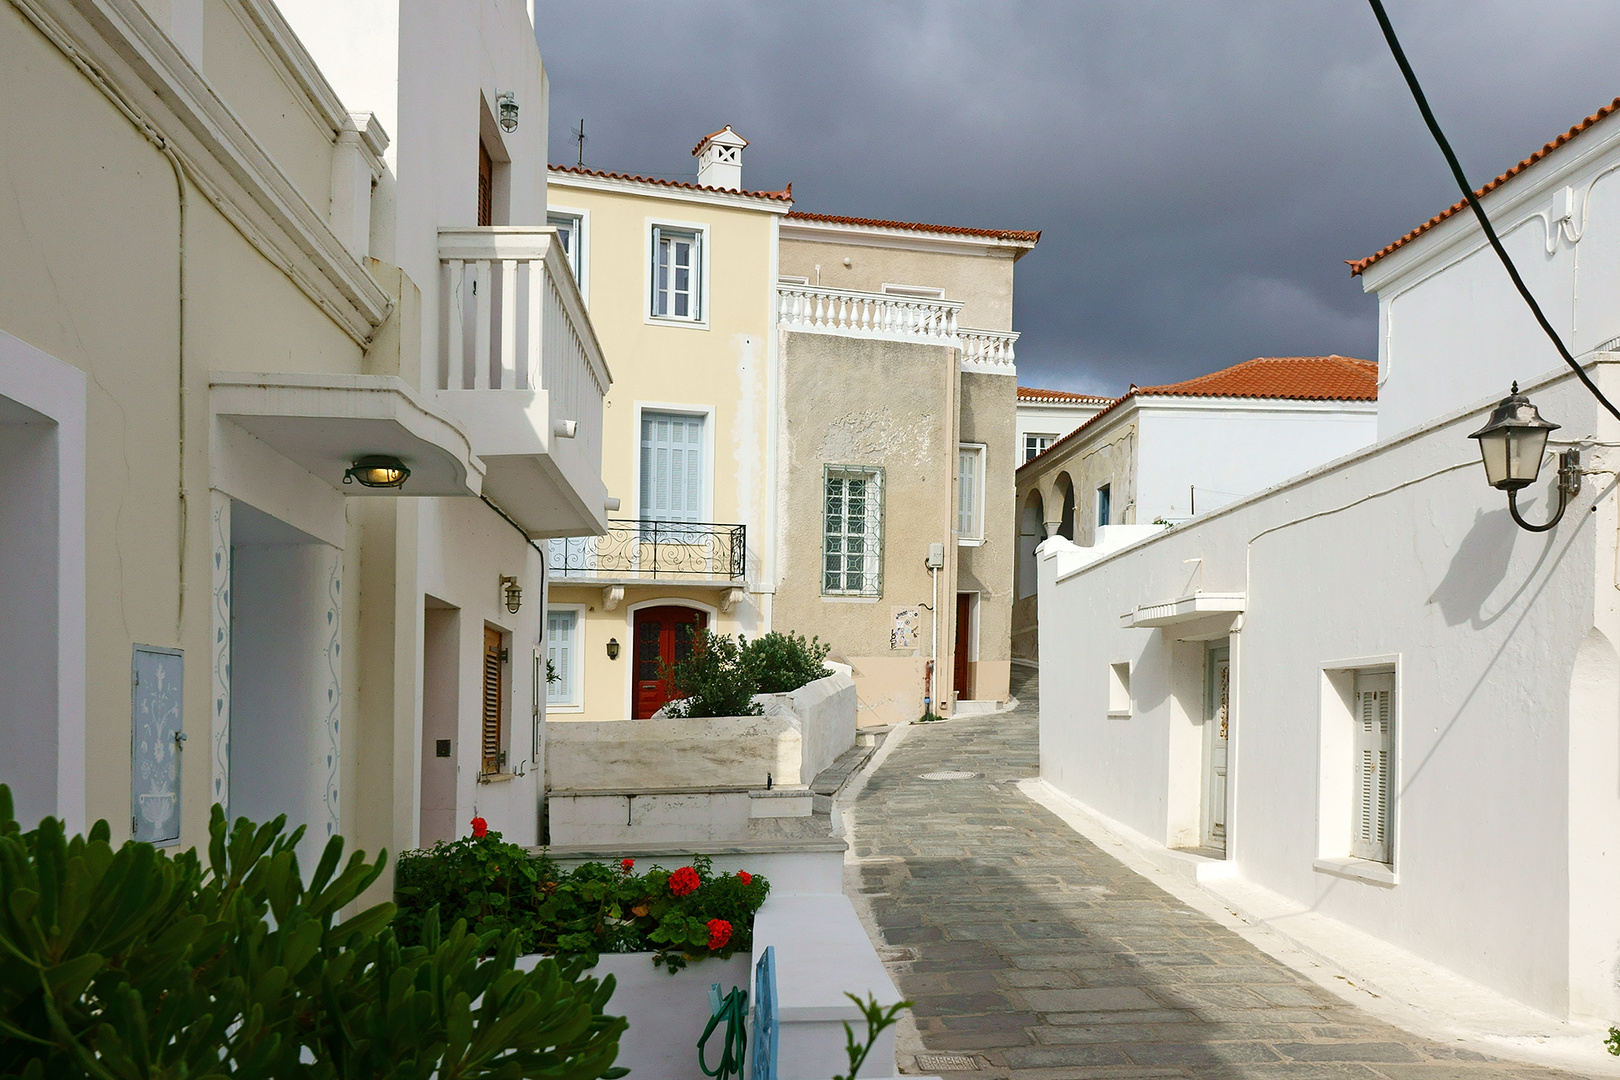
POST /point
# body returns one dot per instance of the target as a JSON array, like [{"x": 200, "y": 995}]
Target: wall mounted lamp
[
  {"x": 507, "y": 102},
  {"x": 1511, "y": 445},
  {"x": 613, "y": 648},
  {"x": 377, "y": 472},
  {"x": 513, "y": 592}
]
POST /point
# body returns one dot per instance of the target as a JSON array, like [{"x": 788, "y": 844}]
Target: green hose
[{"x": 733, "y": 1009}]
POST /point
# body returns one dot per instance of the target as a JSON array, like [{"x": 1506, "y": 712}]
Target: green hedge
[
  {"x": 688, "y": 914},
  {"x": 134, "y": 964},
  {"x": 721, "y": 675}
]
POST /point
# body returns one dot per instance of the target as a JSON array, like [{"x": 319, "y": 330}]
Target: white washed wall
[{"x": 1506, "y": 874}]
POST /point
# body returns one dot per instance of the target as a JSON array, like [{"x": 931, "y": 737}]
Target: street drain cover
[
  {"x": 946, "y": 1062},
  {"x": 950, "y": 774}
]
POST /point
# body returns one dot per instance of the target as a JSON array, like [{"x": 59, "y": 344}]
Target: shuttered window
[
  {"x": 561, "y": 656},
  {"x": 970, "y": 492},
  {"x": 672, "y": 479},
  {"x": 1373, "y": 761},
  {"x": 494, "y": 755}
]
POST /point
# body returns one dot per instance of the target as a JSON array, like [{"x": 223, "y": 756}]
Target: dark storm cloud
[{"x": 1199, "y": 170}]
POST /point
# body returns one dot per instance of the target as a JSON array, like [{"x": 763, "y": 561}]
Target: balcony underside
[{"x": 324, "y": 423}]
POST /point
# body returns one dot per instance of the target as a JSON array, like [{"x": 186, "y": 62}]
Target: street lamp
[{"x": 1511, "y": 444}]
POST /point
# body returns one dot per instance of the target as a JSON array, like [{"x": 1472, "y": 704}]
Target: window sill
[
  {"x": 554, "y": 708},
  {"x": 670, "y": 320},
  {"x": 970, "y": 541},
  {"x": 1119, "y": 714},
  {"x": 496, "y": 777},
  {"x": 850, "y": 598},
  {"x": 1374, "y": 873}
]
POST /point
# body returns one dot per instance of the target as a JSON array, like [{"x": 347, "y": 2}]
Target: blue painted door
[{"x": 158, "y": 678}]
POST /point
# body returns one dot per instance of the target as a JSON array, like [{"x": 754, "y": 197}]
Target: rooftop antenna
[{"x": 579, "y": 137}]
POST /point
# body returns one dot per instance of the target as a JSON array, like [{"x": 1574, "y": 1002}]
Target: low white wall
[
  {"x": 801, "y": 733},
  {"x": 667, "y": 1013}
]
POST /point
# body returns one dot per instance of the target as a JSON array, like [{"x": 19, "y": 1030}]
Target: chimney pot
[{"x": 719, "y": 157}]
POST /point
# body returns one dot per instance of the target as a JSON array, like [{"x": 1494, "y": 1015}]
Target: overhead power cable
[{"x": 1479, "y": 211}]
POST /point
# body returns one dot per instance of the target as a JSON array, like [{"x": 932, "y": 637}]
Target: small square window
[
  {"x": 1119, "y": 689},
  {"x": 1035, "y": 445},
  {"x": 677, "y": 274}
]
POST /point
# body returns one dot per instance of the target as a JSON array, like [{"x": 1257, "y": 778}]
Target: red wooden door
[
  {"x": 664, "y": 636},
  {"x": 964, "y": 626}
]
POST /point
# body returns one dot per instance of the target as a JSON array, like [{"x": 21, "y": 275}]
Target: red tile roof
[
  {"x": 576, "y": 170},
  {"x": 1297, "y": 378},
  {"x": 1014, "y": 235},
  {"x": 699, "y": 147},
  {"x": 1060, "y": 397},
  {"x": 1288, "y": 378},
  {"x": 1358, "y": 265}
]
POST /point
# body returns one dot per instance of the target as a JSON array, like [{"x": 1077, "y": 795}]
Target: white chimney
[{"x": 720, "y": 159}]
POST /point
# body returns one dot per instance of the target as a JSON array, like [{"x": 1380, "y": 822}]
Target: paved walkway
[{"x": 1028, "y": 950}]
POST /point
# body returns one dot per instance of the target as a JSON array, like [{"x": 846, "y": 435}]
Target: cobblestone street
[{"x": 1028, "y": 949}]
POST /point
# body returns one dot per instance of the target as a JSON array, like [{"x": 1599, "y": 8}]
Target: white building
[
  {"x": 1161, "y": 454},
  {"x": 217, "y": 302},
  {"x": 1045, "y": 416},
  {"x": 1366, "y": 690}
]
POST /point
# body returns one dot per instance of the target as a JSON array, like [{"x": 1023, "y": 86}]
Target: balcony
[
  {"x": 887, "y": 317},
  {"x": 520, "y": 368},
  {"x": 636, "y": 552}
]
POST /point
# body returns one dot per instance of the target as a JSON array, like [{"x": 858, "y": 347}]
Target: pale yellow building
[
  {"x": 820, "y": 443},
  {"x": 679, "y": 281}
]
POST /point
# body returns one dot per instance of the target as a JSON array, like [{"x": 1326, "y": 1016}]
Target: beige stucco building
[
  {"x": 216, "y": 302},
  {"x": 796, "y": 420}
]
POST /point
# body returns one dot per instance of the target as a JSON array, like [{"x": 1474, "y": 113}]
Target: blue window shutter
[{"x": 158, "y": 695}]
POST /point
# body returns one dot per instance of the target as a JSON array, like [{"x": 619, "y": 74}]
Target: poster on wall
[{"x": 903, "y": 633}]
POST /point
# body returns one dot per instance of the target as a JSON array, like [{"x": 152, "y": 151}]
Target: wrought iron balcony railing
[{"x": 653, "y": 551}]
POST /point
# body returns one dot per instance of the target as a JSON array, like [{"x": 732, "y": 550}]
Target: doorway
[
  {"x": 962, "y": 677},
  {"x": 441, "y": 691},
  {"x": 1217, "y": 733},
  {"x": 664, "y": 637}
]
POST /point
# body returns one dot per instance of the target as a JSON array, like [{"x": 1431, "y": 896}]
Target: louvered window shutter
[
  {"x": 492, "y": 710},
  {"x": 1374, "y": 742}
]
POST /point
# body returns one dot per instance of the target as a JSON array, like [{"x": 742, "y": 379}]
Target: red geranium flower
[
  {"x": 684, "y": 882},
  {"x": 480, "y": 826},
  {"x": 719, "y": 933},
  {"x": 627, "y": 865},
  {"x": 745, "y": 877}
]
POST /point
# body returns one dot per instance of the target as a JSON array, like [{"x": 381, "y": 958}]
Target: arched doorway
[
  {"x": 1065, "y": 486},
  {"x": 1031, "y": 531}
]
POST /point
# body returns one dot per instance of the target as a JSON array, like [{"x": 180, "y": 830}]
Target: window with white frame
[
  {"x": 571, "y": 235},
  {"x": 852, "y": 532},
  {"x": 562, "y": 657},
  {"x": 1035, "y": 445},
  {"x": 1372, "y": 759},
  {"x": 677, "y": 274},
  {"x": 970, "y": 492}
]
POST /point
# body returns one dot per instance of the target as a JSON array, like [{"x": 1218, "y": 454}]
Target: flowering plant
[
  {"x": 595, "y": 908},
  {"x": 480, "y": 827}
]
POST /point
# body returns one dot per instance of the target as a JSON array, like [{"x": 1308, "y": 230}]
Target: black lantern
[
  {"x": 613, "y": 648},
  {"x": 1511, "y": 445},
  {"x": 509, "y": 109},
  {"x": 377, "y": 472}
]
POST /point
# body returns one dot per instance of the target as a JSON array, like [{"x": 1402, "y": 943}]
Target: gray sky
[{"x": 1200, "y": 170}]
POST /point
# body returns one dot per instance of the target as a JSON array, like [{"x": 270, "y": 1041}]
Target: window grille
[{"x": 852, "y": 532}]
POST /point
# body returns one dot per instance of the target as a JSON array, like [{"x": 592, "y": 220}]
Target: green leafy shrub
[
  {"x": 784, "y": 662},
  {"x": 721, "y": 675},
  {"x": 595, "y": 908},
  {"x": 714, "y": 679},
  {"x": 132, "y": 964}
]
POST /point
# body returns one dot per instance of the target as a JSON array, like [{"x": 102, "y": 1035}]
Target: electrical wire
[{"x": 1479, "y": 211}]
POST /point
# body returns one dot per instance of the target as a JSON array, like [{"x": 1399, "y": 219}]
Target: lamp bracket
[{"x": 1569, "y": 484}]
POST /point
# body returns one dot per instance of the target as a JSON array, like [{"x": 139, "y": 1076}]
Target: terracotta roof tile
[
  {"x": 1013, "y": 235},
  {"x": 1297, "y": 378},
  {"x": 1358, "y": 265},
  {"x": 1060, "y": 397},
  {"x": 699, "y": 147},
  {"x": 1289, "y": 378},
  {"x": 576, "y": 170}
]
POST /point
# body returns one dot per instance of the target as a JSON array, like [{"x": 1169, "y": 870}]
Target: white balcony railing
[
  {"x": 803, "y": 307},
  {"x": 896, "y": 318},
  {"x": 511, "y": 318}
]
